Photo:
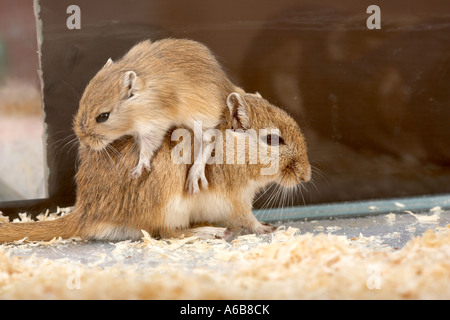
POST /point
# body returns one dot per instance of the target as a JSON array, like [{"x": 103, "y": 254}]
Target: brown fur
[
  {"x": 111, "y": 205},
  {"x": 154, "y": 87}
]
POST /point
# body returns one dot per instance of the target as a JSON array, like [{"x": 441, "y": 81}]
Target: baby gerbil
[
  {"x": 111, "y": 205},
  {"x": 153, "y": 87}
]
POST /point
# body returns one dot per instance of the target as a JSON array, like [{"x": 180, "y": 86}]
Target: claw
[
  {"x": 192, "y": 187},
  {"x": 137, "y": 171},
  {"x": 196, "y": 174}
]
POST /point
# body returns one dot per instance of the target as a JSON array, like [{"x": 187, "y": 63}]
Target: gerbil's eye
[
  {"x": 274, "y": 140},
  {"x": 102, "y": 118}
]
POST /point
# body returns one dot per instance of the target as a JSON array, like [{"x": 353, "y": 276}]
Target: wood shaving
[
  {"x": 390, "y": 217},
  {"x": 400, "y": 205},
  {"x": 285, "y": 265},
  {"x": 46, "y": 216},
  {"x": 424, "y": 218},
  {"x": 3, "y": 219},
  {"x": 333, "y": 228}
]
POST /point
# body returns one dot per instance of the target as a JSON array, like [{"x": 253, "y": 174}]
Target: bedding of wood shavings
[
  {"x": 284, "y": 265},
  {"x": 46, "y": 216}
]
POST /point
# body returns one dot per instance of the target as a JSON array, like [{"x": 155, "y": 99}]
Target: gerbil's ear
[
  {"x": 130, "y": 83},
  {"x": 108, "y": 63},
  {"x": 240, "y": 118}
]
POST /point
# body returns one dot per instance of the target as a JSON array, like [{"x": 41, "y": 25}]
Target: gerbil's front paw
[
  {"x": 196, "y": 174},
  {"x": 137, "y": 171},
  {"x": 259, "y": 228},
  {"x": 265, "y": 228},
  {"x": 256, "y": 228}
]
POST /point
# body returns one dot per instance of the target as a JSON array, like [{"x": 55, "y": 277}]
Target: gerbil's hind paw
[
  {"x": 196, "y": 173},
  {"x": 137, "y": 171}
]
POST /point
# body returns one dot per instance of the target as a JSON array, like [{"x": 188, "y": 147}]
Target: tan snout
[{"x": 306, "y": 176}]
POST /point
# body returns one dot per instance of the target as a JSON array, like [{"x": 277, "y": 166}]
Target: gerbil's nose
[{"x": 307, "y": 174}]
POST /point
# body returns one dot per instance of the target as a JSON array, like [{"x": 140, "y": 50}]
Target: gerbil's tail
[{"x": 65, "y": 227}]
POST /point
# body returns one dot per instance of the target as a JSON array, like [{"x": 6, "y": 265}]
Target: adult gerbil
[
  {"x": 111, "y": 205},
  {"x": 153, "y": 87}
]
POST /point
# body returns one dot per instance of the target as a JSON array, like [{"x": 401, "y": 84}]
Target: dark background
[{"x": 374, "y": 104}]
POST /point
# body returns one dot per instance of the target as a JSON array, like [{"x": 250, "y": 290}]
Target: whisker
[
  {"x": 313, "y": 183},
  {"x": 280, "y": 203},
  {"x": 317, "y": 172},
  {"x": 72, "y": 88},
  {"x": 116, "y": 153},
  {"x": 274, "y": 193},
  {"x": 61, "y": 144},
  {"x": 278, "y": 199},
  {"x": 292, "y": 195},
  {"x": 272, "y": 196},
  {"x": 71, "y": 144},
  {"x": 264, "y": 192},
  {"x": 301, "y": 193},
  {"x": 109, "y": 159}
]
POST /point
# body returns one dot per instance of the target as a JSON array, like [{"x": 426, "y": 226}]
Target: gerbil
[
  {"x": 111, "y": 205},
  {"x": 153, "y": 87}
]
